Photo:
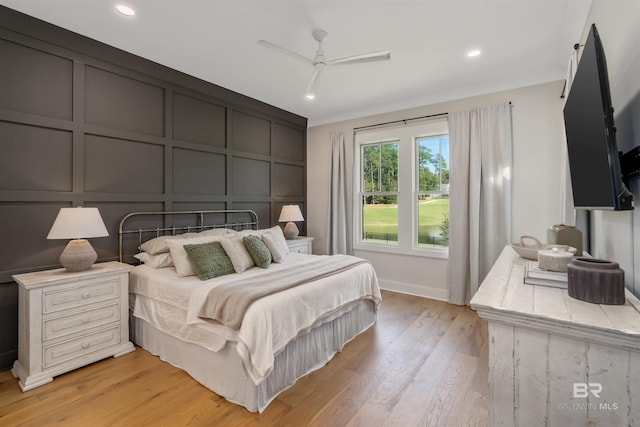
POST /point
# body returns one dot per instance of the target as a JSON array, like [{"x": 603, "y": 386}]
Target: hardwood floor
[{"x": 425, "y": 363}]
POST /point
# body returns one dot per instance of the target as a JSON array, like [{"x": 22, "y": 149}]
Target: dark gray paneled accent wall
[{"x": 82, "y": 123}]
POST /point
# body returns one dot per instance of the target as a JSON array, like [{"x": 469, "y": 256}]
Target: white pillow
[
  {"x": 250, "y": 232},
  {"x": 157, "y": 245},
  {"x": 189, "y": 235},
  {"x": 237, "y": 252},
  {"x": 155, "y": 261},
  {"x": 274, "y": 239},
  {"x": 179, "y": 255},
  {"x": 217, "y": 232}
]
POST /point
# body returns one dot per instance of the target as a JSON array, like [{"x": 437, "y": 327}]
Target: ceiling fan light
[{"x": 309, "y": 96}]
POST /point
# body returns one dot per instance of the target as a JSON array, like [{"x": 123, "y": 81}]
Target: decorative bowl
[{"x": 530, "y": 250}]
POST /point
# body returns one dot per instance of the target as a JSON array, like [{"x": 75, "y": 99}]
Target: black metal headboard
[{"x": 147, "y": 225}]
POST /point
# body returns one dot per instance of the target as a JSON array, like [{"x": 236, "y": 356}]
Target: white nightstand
[
  {"x": 301, "y": 245},
  {"x": 68, "y": 320}
]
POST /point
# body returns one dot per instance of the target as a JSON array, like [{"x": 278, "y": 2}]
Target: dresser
[
  {"x": 555, "y": 360},
  {"x": 301, "y": 245},
  {"x": 68, "y": 320}
]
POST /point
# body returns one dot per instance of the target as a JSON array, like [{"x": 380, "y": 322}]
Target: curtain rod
[
  {"x": 403, "y": 120},
  {"x": 399, "y": 121}
]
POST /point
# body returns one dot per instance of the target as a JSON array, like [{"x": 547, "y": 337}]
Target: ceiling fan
[{"x": 319, "y": 62}]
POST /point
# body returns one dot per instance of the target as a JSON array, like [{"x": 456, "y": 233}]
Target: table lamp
[
  {"x": 289, "y": 214},
  {"x": 78, "y": 224}
]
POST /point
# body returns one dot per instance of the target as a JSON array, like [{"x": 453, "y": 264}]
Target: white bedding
[{"x": 171, "y": 304}]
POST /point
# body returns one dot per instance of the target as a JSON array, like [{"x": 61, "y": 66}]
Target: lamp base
[
  {"x": 78, "y": 255},
  {"x": 291, "y": 231}
]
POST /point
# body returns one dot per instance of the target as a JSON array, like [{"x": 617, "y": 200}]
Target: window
[
  {"x": 379, "y": 183},
  {"x": 432, "y": 195},
  {"x": 401, "y": 188}
]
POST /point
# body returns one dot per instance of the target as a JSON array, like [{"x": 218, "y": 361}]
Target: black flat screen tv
[{"x": 594, "y": 160}]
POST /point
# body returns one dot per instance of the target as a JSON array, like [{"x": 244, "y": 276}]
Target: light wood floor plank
[
  {"x": 425, "y": 362},
  {"x": 413, "y": 348},
  {"x": 419, "y": 399}
]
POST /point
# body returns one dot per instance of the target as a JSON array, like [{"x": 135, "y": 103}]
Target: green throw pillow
[
  {"x": 209, "y": 260},
  {"x": 258, "y": 250}
]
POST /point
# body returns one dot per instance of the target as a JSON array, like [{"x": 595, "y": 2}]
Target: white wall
[
  {"x": 616, "y": 235},
  {"x": 537, "y": 136}
]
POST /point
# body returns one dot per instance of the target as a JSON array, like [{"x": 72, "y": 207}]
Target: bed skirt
[{"x": 223, "y": 372}]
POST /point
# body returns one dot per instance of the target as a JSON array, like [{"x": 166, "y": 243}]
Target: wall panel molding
[
  {"x": 101, "y": 125},
  {"x": 83, "y": 123}
]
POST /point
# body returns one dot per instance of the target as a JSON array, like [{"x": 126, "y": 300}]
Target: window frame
[{"x": 406, "y": 135}]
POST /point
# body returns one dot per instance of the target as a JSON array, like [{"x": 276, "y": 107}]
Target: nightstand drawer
[
  {"x": 301, "y": 249},
  {"x": 79, "y": 347},
  {"x": 301, "y": 245},
  {"x": 78, "y": 322},
  {"x": 80, "y": 296}
]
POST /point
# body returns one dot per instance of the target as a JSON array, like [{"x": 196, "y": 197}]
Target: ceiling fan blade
[
  {"x": 286, "y": 51},
  {"x": 316, "y": 72},
  {"x": 383, "y": 55}
]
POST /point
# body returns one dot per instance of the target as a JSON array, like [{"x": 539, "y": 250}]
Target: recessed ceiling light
[
  {"x": 309, "y": 96},
  {"x": 473, "y": 53},
  {"x": 125, "y": 10}
]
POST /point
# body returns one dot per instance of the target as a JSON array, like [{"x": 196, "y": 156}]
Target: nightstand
[
  {"x": 68, "y": 320},
  {"x": 301, "y": 245}
]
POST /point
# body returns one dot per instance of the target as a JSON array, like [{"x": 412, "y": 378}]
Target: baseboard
[{"x": 417, "y": 290}]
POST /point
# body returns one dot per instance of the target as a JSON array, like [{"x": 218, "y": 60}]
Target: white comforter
[{"x": 171, "y": 304}]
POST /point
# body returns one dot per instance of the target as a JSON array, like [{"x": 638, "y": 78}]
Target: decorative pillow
[
  {"x": 180, "y": 259},
  {"x": 258, "y": 250},
  {"x": 155, "y": 261},
  {"x": 235, "y": 249},
  {"x": 274, "y": 239},
  {"x": 157, "y": 245},
  {"x": 209, "y": 260}
]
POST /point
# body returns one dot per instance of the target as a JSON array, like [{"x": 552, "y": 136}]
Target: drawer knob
[
  {"x": 85, "y": 295},
  {"x": 85, "y": 345}
]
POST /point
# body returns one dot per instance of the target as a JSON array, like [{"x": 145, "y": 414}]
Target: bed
[{"x": 250, "y": 334}]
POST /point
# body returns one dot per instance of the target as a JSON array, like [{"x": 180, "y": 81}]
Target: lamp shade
[
  {"x": 78, "y": 223},
  {"x": 290, "y": 213}
]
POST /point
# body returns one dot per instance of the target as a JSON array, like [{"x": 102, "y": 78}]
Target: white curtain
[
  {"x": 480, "y": 206},
  {"x": 340, "y": 201}
]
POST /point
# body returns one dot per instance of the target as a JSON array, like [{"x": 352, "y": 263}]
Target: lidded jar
[{"x": 561, "y": 234}]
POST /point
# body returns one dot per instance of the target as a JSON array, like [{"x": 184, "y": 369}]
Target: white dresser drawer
[
  {"x": 56, "y": 300},
  {"x": 78, "y": 322},
  {"x": 79, "y": 347}
]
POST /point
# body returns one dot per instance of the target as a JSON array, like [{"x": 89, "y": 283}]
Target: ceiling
[{"x": 523, "y": 42}]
